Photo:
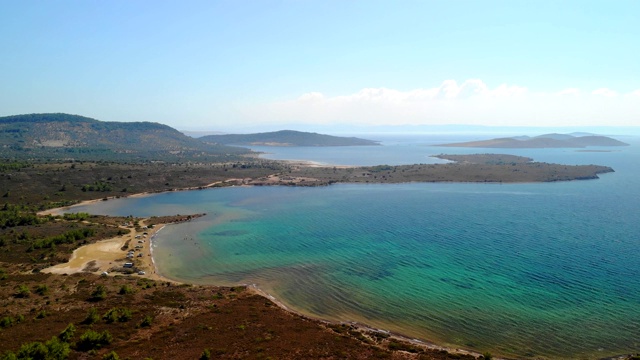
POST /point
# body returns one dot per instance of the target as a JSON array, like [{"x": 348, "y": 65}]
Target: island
[
  {"x": 576, "y": 140},
  {"x": 287, "y": 138}
]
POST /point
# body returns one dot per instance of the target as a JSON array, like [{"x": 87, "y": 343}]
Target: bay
[{"x": 525, "y": 270}]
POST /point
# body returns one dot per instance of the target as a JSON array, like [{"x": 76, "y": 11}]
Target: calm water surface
[{"x": 526, "y": 270}]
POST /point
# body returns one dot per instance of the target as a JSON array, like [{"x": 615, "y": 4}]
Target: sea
[{"x": 533, "y": 270}]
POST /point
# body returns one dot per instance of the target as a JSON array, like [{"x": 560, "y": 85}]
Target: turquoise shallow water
[{"x": 518, "y": 269}]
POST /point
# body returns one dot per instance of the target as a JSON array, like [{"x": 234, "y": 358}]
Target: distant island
[
  {"x": 576, "y": 140},
  {"x": 287, "y": 138}
]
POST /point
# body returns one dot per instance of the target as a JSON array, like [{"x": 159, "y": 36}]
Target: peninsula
[{"x": 496, "y": 168}]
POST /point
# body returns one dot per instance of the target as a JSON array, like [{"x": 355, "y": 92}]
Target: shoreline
[
  {"x": 58, "y": 210},
  {"x": 155, "y": 275},
  {"x": 106, "y": 254},
  {"x": 426, "y": 344}
]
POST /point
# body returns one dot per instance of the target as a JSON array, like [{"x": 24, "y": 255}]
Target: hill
[
  {"x": 61, "y": 136},
  {"x": 542, "y": 141},
  {"x": 287, "y": 138}
]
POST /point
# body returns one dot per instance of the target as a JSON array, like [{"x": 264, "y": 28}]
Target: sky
[{"x": 236, "y": 64}]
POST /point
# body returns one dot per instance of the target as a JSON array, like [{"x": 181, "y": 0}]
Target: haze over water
[{"x": 548, "y": 269}]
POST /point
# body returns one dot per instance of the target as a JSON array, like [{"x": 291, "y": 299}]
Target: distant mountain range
[
  {"x": 287, "y": 138},
  {"x": 574, "y": 140},
  {"x": 56, "y": 136}
]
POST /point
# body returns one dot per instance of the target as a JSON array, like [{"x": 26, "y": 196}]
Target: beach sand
[{"x": 107, "y": 255}]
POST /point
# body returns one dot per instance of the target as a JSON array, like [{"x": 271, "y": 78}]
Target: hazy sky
[{"x": 220, "y": 65}]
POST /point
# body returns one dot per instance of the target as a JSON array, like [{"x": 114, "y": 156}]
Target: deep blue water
[{"x": 525, "y": 270}]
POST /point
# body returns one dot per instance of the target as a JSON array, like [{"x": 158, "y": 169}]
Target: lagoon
[{"x": 524, "y": 270}]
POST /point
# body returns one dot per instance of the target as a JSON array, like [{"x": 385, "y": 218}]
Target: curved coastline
[
  {"x": 92, "y": 250},
  {"x": 155, "y": 274}
]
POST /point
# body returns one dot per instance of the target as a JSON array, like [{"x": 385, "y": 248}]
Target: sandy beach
[{"x": 108, "y": 255}]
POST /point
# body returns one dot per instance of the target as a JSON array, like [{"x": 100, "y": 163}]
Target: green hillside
[
  {"x": 287, "y": 138},
  {"x": 64, "y": 136}
]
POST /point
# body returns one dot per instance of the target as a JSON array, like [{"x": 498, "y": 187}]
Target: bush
[
  {"x": 23, "y": 291},
  {"x": 9, "y": 356},
  {"x": 57, "y": 349},
  {"x": 6, "y": 322},
  {"x": 34, "y": 350},
  {"x": 67, "y": 334},
  {"x": 146, "y": 321},
  {"x": 487, "y": 356},
  {"x": 124, "y": 315},
  {"x": 206, "y": 354},
  {"x": 92, "y": 317},
  {"x": 111, "y": 356},
  {"x": 91, "y": 340},
  {"x": 117, "y": 314},
  {"x": 41, "y": 314},
  {"x": 125, "y": 289},
  {"x": 110, "y": 316},
  {"x": 53, "y": 349},
  {"x": 100, "y": 293},
  {"x": 42, "y": 289}
]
